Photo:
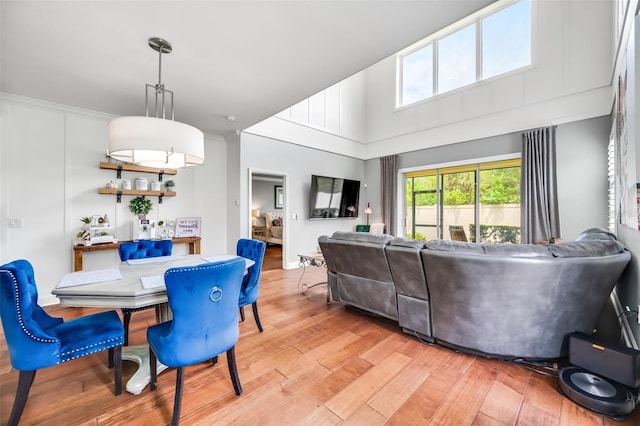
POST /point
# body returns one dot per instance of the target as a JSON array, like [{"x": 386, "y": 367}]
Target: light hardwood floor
[
  {"x": 272, "y": 258},
  {"x": 315, "y": 364}
]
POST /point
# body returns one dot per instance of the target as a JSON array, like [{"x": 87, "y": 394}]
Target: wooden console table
[{"x": 79, "y": 250}]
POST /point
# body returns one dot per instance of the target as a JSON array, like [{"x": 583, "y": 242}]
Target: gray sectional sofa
[{"x": 499, "y": 300}]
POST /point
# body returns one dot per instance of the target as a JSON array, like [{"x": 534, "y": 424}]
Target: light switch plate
[{"x": 16, "y": 222}]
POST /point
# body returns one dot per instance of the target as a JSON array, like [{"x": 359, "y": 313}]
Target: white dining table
[{"x": 134, "y": 284}]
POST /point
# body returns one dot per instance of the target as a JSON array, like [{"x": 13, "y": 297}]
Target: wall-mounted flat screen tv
[{"x": 332, "y": 198}]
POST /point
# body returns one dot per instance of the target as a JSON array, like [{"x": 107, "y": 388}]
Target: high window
[
  {"x": 494, "y": 42},
  {"x": 448, "y": 202}
]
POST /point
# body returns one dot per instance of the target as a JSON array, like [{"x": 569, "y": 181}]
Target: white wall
[
  {"x": 629, "y": 287},
  {"x": 582, "y": 168},
  {"x": 581, "y": 154},
  {"x": 299, "y": 163},
  {"x": 234, "y": 182},
  {"x": 338, "y": 109},
  {"x": 263, "y": 195},
  {"x": 569, "y": 80},
  {"x": 332, "y": 120},
  {"x": 50, "y": 177}
]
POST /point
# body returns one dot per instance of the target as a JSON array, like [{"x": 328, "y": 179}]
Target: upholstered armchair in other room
[
  {"x": 254, "y": 250},
  {"x": 204, "y": 302},
  {"x": 36, "y": 340},
  {"x": 141, "y": 250}
]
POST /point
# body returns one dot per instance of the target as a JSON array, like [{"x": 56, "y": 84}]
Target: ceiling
[{"x": 247, "y": 59}]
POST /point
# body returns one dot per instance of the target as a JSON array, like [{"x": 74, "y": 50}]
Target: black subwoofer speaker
[
  {"x": 600, "y": 375},
  {"x": 613, "y": 361}
]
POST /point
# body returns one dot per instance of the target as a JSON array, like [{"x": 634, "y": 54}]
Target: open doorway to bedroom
[{"x": 267, "y": 204}]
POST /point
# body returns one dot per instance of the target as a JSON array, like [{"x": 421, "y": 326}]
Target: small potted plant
[
  {"x": 169, "y": 185},
  {"x": 140, "y": 206},
  {"x": 87, "y": 220}
]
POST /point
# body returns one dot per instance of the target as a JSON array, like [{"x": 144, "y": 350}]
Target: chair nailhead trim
[
  {"x": 202, "y": 267},
  {"x": 27, "y": 332},
  {"x": 96, "y": 347}
]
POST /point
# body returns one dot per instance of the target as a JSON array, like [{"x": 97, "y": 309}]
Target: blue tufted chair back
[
  {"x": 145, "y": 248},
  {"x": 36, "y": 340},
  {"x": 204, "y": 302},
  {"x": 141, "y": 250},
  {"x": 254, "y": 250},
  {"x": 28, "y": 329}
]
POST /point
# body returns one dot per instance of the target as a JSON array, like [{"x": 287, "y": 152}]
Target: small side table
[{"x": 312, "y": 259}]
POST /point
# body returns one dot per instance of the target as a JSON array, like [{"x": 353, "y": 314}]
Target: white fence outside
[{"x": 492, "y": 214}]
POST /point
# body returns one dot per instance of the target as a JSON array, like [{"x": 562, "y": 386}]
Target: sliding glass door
[
  {"x": 447, "y": 203},
  {"x": 458, "y": 204},
  {"x": 422, "y": 217},
  {"x": 499, "y": 206}
]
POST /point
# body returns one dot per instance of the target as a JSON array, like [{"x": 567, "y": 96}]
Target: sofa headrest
[
  {"x": 586, "y": 248},
  {"x": 407, "y": 242},
  {"x": 362, "y": 237},
  {"x": 497, "y": 249},
  {"x": 596, "y": 234}
]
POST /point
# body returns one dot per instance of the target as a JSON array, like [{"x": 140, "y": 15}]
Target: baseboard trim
[{"x": 627, "y": 333}]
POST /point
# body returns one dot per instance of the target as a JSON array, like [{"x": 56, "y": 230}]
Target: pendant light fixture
[{"x": 156, "y": 141}]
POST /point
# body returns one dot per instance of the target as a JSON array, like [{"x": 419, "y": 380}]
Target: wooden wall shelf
[
  {"x": 114, "y": 191},
  {"x": 135, "y": 168},
  {"x": 119, "y": 167}
]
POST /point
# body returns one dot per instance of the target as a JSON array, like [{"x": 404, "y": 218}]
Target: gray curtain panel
[
  {"x": 389, "y": 184},
  {"x": 539, "y": 216}
]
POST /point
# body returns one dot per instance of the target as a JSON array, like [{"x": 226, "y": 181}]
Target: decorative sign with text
[{"x": 188, "y": 227}]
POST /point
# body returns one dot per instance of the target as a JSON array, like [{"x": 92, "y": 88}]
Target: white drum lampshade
[{"x": 155, "y": 142}]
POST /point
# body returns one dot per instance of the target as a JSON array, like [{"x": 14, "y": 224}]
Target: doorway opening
[{"x": 267, "y": 211}]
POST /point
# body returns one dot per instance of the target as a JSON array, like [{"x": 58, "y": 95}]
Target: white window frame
[
  {"x": 476, "y": 18},
  {"x": 401, "y": 183}
]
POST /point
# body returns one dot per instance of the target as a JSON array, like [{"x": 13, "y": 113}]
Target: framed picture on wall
[{"x": 278, "y": 197}]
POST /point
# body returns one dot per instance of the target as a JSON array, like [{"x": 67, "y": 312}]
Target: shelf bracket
[
  {"x": 160, "y": 173},
  {"x": 160, "y": 197},
  {"x": 119, "y": 173},
  {"x": 119, "y": 197}
]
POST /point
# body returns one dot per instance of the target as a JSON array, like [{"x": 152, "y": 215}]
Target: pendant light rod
[
  {"x": 161, "y": 46},
  {"x": 156, "y": 141}
]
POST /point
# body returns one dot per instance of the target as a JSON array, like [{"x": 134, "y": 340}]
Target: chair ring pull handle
[{"x": 215, "y": 294}]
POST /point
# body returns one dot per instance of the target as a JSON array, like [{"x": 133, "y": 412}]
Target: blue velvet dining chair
[
  {"x": 36, "y": 340},
  {"x": 254, "y": 250},
  {"x": 140, "y": 250},
  {"x": 204, "y": 302}
]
